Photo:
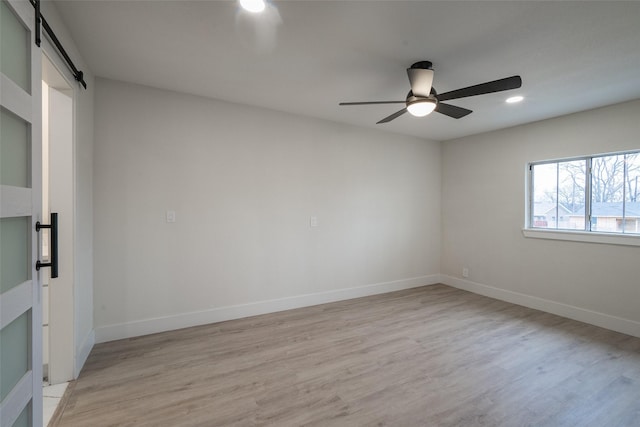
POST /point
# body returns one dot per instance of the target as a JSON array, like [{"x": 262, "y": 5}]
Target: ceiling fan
[{"x": 423, "y": 98}]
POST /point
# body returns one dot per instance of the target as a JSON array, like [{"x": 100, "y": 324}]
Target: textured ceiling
[{"x": 305, "y": 57}]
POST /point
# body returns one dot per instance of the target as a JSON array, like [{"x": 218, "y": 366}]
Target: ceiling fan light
[{"x": 421, "y": 107}]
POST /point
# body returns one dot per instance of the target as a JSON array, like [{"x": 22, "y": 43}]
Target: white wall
[
  {"x": 83, "y": 185},
  {"x": 244, "y": 182},
  {"x": 483, "y": 214}
]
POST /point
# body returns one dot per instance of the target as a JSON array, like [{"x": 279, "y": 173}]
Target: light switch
[
  {"x": 171, "y": 216},
  {"x": 313, "y": 221}
]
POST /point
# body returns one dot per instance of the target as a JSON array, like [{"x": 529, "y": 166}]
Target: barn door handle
[{"x": 53, "y": 262}]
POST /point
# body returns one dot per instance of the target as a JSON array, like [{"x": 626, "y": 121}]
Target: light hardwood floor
[{"x": 430, "y": 356}]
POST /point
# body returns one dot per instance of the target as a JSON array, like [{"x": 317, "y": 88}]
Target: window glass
[
  {"x": 545, "y": 195},
  {"x": 559, "y": 195},
  {"x": 607, "y": 188},
  {"x": 632, "y": 193},
  {"x": 565, "y": 194},
  {"x": 571, "y": 191}
]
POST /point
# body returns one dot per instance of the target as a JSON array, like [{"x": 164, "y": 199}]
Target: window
[{"x": 591, "y": 194}]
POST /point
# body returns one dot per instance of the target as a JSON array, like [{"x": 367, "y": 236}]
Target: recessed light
[
  {"x": 254, "y": 6},
  {"x": 514, "y": 99}
]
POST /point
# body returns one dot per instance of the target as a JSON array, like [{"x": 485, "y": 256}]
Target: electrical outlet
[
  {"x": 313, "y": 221},
  {"x": 171, "y": 216},
  {"x": 465, "y": 272}
]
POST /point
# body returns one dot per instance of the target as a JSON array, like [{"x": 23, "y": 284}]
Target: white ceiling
[{"x": 305, "y": 57}]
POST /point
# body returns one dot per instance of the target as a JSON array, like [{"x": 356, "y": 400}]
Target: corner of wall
[
  {"x": 603, "y": 320},
  {"x": 83, "y": 351}
]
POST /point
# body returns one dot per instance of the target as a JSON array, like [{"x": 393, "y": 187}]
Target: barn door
[{"x": 20, "y": 204}]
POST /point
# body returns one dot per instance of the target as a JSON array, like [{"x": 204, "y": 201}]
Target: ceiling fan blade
[
  {"x": 421, "y": 80},
  {"x": 372, "y": 102},
  {"x": 507, "y": 83},
  {"x": 393, "y": 116},
  {"x": 452, "y": 110}
]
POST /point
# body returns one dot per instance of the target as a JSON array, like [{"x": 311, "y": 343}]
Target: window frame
[{"x": 586, "y": 234}]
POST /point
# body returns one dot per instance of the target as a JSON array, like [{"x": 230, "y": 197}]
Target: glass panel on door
[
  {"x": 15, "y": 259},
  {"x": 14, "y": 352},
  {"x": 24, "y": 419},
  {"x": 14, "y": 48},
  {"x": 15, "y": 151}
]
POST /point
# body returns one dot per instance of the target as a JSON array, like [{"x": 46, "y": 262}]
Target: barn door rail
[{"x": 77, "y": 74}]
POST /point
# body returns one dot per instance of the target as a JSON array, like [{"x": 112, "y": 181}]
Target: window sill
[{"x": 583, "y": 236}]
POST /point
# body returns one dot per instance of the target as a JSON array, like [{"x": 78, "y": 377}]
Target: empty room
[{"x": 319, "y": 213}]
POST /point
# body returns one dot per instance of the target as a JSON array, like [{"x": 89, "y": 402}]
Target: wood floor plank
[{"x": 426, "y": 356}]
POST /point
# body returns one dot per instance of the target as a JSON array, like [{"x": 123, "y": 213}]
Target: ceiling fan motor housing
[
  {"x": 412, "y": 99},
  {"x": 423, "y": 65}
]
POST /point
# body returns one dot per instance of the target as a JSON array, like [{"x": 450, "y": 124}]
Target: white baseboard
[
  {"x": 614, "y": 323},
  {"x": 82, "y": 352},
  {"x": 220, "y": 314}
]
